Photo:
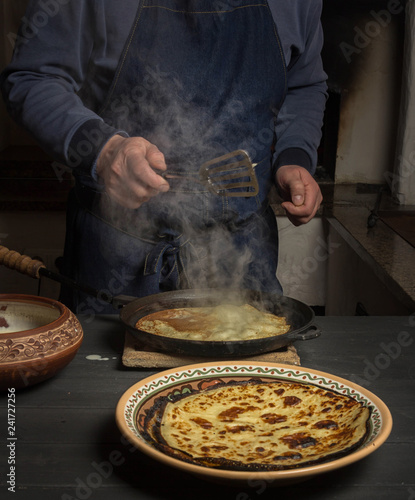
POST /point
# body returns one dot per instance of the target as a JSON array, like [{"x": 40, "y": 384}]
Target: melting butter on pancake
[
  {"x": 260, "y": 426},
  {"x": 220, "y": 323}
]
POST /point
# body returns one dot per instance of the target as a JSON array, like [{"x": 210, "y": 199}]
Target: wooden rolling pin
[{"x": 22, "y": 263}]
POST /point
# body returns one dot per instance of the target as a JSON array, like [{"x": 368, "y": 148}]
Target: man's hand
[
  {"x": 300, "y": 193},
  {"x": 127, "y": 166}
]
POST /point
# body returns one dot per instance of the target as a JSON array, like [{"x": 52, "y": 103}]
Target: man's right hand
[{"x": 127, "y": 167}]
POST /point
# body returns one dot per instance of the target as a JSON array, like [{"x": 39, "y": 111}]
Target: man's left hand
[{"x": 300, "y": 193}]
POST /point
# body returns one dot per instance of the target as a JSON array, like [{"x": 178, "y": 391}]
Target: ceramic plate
[{"x": 132, "y": 406}]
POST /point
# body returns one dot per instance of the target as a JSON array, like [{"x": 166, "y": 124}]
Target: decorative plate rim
[{"x": 132, "y": 400}]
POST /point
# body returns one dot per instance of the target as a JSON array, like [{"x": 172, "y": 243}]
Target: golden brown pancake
[
  {"x": 225, "y": 322},
  {"x": 258, "y": 425}
]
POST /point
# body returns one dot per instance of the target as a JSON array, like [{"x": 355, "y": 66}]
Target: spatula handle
[{"x": 22, "y": 263}]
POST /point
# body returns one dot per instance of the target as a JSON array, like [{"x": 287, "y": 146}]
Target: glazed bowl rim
[{"x": 22, "y": 298}]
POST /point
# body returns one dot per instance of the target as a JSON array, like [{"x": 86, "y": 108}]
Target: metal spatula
[{"x": 228, "y": 175}]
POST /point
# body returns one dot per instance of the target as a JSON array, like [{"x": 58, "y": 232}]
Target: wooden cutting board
[{"x": 136, "y": 355}]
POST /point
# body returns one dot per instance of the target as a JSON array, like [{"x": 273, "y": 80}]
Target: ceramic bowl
[
  {"x": 38, "y": 337},
  {"x": 135, "y": 402}
]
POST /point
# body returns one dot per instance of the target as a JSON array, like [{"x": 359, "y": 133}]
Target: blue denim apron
[{"x": 198, "y": 79}]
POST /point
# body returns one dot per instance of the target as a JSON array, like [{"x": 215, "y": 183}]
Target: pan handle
[
  {"x": 35, "y": 269},
  {"x": 119, "y": 301},
  {"x": 22, "y": 263},
  {"x": 313, "y": 332}
]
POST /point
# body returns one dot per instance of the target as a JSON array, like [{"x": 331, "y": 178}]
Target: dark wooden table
[{"x": 69, "y": 447}]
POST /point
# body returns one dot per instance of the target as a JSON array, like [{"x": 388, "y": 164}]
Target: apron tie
[{"x": 165, "y": 265}]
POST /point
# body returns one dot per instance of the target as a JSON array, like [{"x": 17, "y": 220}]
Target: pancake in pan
[{"x": 225, "y": 322}]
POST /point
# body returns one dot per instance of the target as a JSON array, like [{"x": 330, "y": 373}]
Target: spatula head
[{"x": 232, "y": 174}]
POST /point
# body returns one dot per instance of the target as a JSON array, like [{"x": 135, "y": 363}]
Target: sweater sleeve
[
  {"x": 299, "y": 122},
  {"x": 43, "y": 84}
]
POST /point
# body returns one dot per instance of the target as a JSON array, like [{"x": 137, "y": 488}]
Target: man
[{"x": 135, "y": 96}]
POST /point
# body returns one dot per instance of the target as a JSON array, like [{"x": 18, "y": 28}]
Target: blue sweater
[{"x": 66, "y": 54}]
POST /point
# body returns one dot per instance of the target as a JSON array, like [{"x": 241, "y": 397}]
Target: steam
[
  {"x": 188, "y": 133},
  {"x": 220, "y": 263}
]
